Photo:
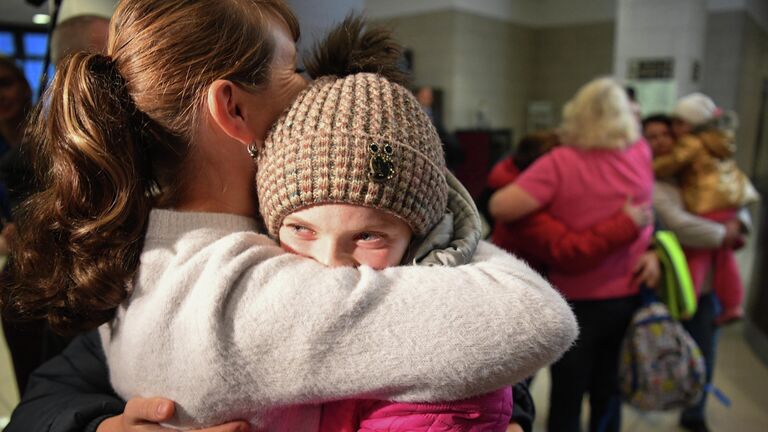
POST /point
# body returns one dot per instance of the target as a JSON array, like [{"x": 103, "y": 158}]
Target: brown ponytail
[
  {"x": 78, "y": 238},
  {"x": 109, "y": 141}
]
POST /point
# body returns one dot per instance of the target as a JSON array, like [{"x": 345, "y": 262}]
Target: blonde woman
[{"x": 601, "y": 163}]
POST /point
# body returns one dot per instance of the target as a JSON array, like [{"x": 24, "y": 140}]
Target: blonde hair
[{"x": 599, "y": 117}]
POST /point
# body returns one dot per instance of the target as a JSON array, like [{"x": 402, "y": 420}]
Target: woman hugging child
[
  {"x": 713, "y": 187},
  {"x": 213, "y": 314}
]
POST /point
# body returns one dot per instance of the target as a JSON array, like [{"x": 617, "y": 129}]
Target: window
[
  {"x": 35, "y": 44},
  {"x": 7, "y": 46},
  {"x": 27, "y": 45}
]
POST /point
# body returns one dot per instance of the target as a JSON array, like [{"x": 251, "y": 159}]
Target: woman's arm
[
  {"x": 290, "y": 331},
  {"x": 549, "y": 240},
  {"x": 71, "y": 393},
  {"x": 512, "y": 203},
  {"x": 691, "y": 230},
  {"x": 531, "y": 191},
  {"x": 503, "y": 173},
  {"x": 682, "y": 154}
]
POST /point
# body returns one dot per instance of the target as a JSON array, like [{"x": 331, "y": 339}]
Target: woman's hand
[
  {"x": 734, "y": 239},
  {"x": 647, "y": 270},
  {"x": 641, "y": 215},
  {"x": 514, "y": 427},
  {"x": 145, "y": 414}
]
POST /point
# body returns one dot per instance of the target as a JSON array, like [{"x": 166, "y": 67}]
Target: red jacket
[{"x": 544, "y": 241}]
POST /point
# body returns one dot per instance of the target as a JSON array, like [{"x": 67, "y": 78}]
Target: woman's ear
[{"x": 225, "y": 106}]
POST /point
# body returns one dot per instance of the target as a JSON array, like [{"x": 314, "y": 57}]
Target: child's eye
[
  {"x": 301, "y": 230},
  {"x": 370, "y": 237}
]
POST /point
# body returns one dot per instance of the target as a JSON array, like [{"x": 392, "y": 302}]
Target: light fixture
[{"x": 41, "y": 19}]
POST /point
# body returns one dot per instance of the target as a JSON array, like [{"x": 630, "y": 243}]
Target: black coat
[{"x": 71, "y": 393}]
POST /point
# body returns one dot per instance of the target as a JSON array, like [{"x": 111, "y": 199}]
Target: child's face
[
  {"x": 680, "y": 127},
  {"x": 346, "y": 235}
]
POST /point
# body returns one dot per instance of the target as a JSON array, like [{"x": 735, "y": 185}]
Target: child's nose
[{"x": 333, "y": 254}]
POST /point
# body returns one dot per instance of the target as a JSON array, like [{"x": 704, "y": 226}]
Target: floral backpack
[{"x": 661, "y": 367}]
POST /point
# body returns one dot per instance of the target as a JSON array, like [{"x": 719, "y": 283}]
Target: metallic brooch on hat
[{"x": 380, "y": 166}]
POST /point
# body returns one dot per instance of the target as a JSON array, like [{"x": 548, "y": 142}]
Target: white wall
[
  {"x": 757, "y": 8},
  {"x": 534, "y": 13},
  {"x": 19, "y": 11},
  {"x": 565, "y": 12},
  {"x": 317, "y": 16},
  {"x": 662, "y": 28},
  {"x": 518, "y": 11}
]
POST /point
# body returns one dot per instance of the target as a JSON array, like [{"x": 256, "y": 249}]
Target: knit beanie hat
[
  {"x": 354, "y": 137},
  {"x": 697, "y": 109}
]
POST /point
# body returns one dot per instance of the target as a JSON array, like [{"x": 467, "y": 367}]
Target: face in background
[
  {"x": 425, "y": 96},
  {"x": 342, "y": 235},
  {"x": 680, "y": 128},
  {"x": 660, "y": 138},
  {"x": 15, "y": 96},
  {"x": 87, "y": 33}
]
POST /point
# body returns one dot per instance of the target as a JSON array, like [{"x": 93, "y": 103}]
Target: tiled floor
[{"x": 738, "y": 373}]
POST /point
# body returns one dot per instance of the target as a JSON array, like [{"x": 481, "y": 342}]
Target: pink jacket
[{"x": 490, "y": 412}]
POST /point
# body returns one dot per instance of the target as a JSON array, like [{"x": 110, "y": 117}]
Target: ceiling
[{"x": 19, "y": 11}]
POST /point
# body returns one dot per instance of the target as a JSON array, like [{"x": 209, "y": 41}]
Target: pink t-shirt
[{"x": 583, "y": 187}]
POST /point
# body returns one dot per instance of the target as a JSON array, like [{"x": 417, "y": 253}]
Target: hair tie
[{"x": 106, "y": 66}]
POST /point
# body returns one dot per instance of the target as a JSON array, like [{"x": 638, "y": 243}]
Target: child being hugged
[
  {"x": 354, "y": 175},
  {"x": 231, "y": 327},
  {"x": 713, "y": 187}
]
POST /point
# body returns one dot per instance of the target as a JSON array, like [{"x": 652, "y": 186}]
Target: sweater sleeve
[
  {"x": 261, "y": 328},
  {"x": 549, "y": 240},
  {"x": 503, "y": 173},
  {"x": 681, "y": 156},
  {"x": 692, "y": 231}
]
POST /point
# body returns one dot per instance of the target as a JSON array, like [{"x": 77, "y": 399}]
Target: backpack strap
[{"x": 679, "y": 292}]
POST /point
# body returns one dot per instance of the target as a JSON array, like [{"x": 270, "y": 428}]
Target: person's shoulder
[
  {"x": 557, "y": 156},
  {"x": 563, "y": 151},
  {"x": 690, "y": 141}
]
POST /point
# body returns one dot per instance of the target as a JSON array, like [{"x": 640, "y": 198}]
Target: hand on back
[
  {"x": 734, "y": 239},
  {"x": 641, "y": 214},
  {"x": 146, "y": 414}
]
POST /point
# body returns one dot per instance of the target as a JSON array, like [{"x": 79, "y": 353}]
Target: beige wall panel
[
  {"x": 567, "y": 57},
  {"x": 474, "y": 60},
  {"x": 754, "y": 71},
  {"x": 721, "y": 68},
  {"x": 493, "y": 65},
  {"x": 431, "y": 37}
]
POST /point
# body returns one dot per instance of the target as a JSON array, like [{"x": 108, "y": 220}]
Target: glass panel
[
  {"x": 33, "y": 69},
  {"x": 6, "y": 44},
  {"x": 35, "y": 44}
]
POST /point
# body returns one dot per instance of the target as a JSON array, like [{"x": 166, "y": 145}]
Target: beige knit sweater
[{"x": 229, "y": 326}]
